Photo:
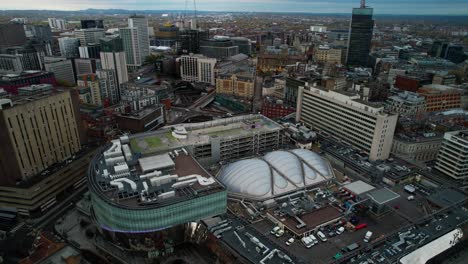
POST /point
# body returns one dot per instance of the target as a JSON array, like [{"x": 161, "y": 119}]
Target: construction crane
[{"x": 363, "y": 3}]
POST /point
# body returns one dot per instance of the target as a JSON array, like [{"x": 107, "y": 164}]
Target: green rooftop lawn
[
  {"x": 153, "y": 142},
  {"x": 134, "y": 145}
]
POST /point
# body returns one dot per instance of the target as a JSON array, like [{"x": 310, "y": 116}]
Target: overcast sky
[{"x": 437, "y": 7}]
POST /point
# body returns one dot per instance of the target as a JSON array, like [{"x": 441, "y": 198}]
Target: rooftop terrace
[{"x": 153, "y": 181}]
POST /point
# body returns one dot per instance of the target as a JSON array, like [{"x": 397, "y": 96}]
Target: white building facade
[{"x": 346, "y": 117}]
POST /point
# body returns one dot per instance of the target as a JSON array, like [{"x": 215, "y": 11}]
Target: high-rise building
[
  {"x": 141, "y": 24},
  {"x": 113, "y": 58},
  {"x": 12, "y": 35},
  {"x": 131, "y": 47},
  {"x": 110, "y": 92},
  {"x": 69, "y": 47},
  {"x": 244, "y": 44},
  {"x": 62, "y": 69},
  {"x": 362, "y": 124},
  {"x": 92, "y": 23},
  {"x": 89, "y": 35},
  {"x": 84, "y": 66},
  {"x": 452, "y": 160},
  {"x": 197, "y": 68},
  {"x": 38, "y": 130},
  {"x": 39, "y": 32},
  {"x": 59, "y": 24},
  {"x": 30, "y": 57},
  {"x": 360, "y": 36},
  {"x": 91, "y": 51},
  {"x": 188, "y": 41},
  {"x": 91, "y": 81}
]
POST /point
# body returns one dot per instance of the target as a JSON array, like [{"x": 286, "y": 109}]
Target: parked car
[
  {"x": 340, "y": 230},
  {"x": 290, "y": 241},
  {"x": 274, "y": 230},
  {"x": 321, "y": 236},
  {"x": 279, "y": 233}
]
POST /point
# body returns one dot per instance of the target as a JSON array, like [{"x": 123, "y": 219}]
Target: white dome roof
[{"x": 276, "y": 173}]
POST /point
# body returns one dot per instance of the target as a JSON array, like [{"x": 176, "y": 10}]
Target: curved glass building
[{"x": 134, "y": 196}]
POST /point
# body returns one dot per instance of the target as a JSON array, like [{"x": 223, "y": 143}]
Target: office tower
[
  {"x": 218, "y": 48},
  {"x": 59, "y": 24},
  {"x": 69, "y": 47},
  {"x": 166, "y": 36},
  {"x": 89, "y": 35},
  {"x": 62, "y": 69},
  {"x": 362, "y": 124},
  {"x": 360, "y": 36},
  {"x": 197, "y": 68},
  {"x": 37, "y": 132},
  {"x": 188, "y": 41},
  {"x": 141, "y": 24},
  {"x": 452, "y": 159},
  {"x": 92, "y": 23},
  {"x": 113, "y": 58},
  {"x": 83, "y": 66},
  {"x": 40, "y": 32},
  {"x": 91, "y": 81},
  {"x": 91, "y": 51},
  {"x": 12, "y": 35},
  {"x": 244, "y": 44},
  {"x": 110, "y": 92},
  {"x": 131, "y": 47}
]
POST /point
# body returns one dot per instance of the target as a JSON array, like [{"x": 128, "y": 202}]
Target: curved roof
[{"x": 275, "y": 173}]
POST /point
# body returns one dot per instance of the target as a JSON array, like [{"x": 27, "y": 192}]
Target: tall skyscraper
[
  {"x": 113, "y": 58},
  {"x": 69, "y": 47},
  {"x": 59, "y": 24},
  {"x": 110, "y": 91},
  {"x": 141, "y": 24},
  {"x": 360, "y": 36},
  {"x": 131, "y": 47}
]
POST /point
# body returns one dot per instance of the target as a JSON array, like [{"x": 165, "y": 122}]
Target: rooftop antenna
[{"x": 363, "y": 3}]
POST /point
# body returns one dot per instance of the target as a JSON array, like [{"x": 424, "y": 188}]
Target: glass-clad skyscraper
[{"x": 360, "y": 36}]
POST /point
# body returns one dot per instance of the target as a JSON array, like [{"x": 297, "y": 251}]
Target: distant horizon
[
  {"x": 222, "y": 11},
  {"x": 383, "y": 7}
]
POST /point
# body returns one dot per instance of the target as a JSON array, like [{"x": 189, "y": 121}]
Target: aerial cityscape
[{"x": 249, "y": 131}]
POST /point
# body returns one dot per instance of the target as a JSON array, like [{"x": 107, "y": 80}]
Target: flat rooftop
[
  {"x": 153, "y": 181},
  {"x": 200, "y": 133}
]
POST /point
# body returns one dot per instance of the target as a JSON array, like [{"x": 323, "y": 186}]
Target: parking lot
[{"x": 323, "y": 252}]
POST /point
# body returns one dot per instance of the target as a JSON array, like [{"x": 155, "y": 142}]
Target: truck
[
  {"x": 368, "y": 236},
  {"x": 409, "y": 189}
]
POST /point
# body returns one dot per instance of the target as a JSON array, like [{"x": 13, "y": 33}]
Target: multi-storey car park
[{"x": 214, "y": 141}]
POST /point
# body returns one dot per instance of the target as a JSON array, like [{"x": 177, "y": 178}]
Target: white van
[
  {"x": 314, "y": 239},
  {"x": 321, "y": 236}
]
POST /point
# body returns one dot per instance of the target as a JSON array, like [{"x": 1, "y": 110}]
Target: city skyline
[{"x": 398, "y": 7}]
